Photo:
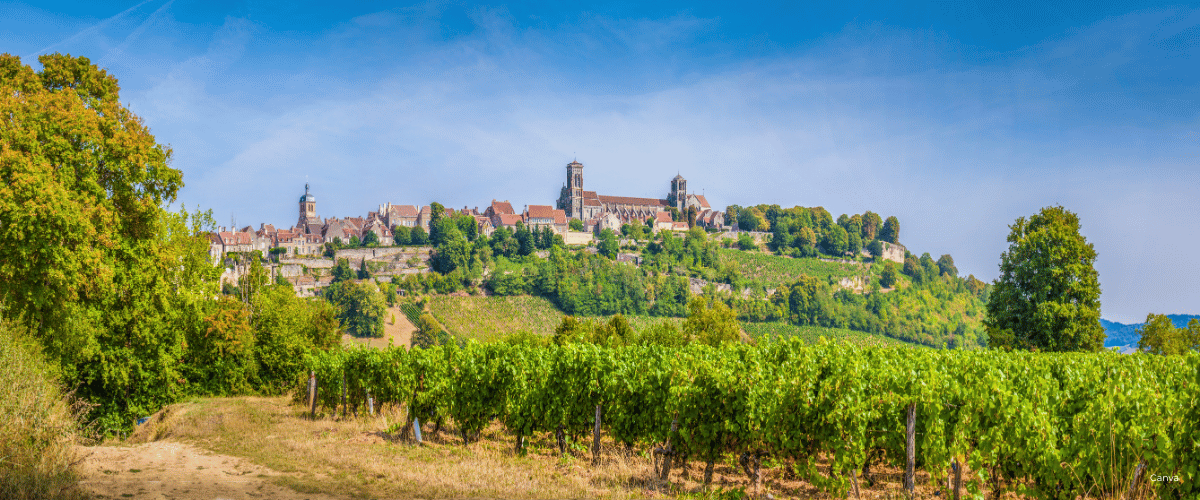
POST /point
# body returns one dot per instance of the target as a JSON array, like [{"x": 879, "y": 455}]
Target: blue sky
[{"x": 957, "y": 117}]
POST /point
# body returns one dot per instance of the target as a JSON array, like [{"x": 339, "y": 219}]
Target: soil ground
[
  {"x": 398, "y": 333},
  {"x": 163, "y": 470},
  {"x": 249, "y": 447}
]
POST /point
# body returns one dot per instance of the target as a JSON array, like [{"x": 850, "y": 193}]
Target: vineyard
[
  {"x": 1043, "y": 425},
  {"x": 811, "y": 334},
  {"x": 487, "y": 318},
  {"x": 773, "y": 271}
]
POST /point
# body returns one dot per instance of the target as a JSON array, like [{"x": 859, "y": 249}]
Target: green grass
[
  {"x": 491, "y": 318},
  {"x": 775, "y": 270},
  {"x": 810, "y": 334}
]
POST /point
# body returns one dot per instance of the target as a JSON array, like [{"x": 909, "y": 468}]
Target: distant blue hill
[{"x": 1120, "y": 334}]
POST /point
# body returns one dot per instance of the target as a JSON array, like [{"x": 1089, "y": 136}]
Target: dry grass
[
  {"x": 39, "y": 425},
  {"x": 357, "y": 457}
]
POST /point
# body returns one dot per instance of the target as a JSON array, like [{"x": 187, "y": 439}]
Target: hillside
[
  {"x": 1120, "y": 334},
  {"x": 773, "y": 271},
  {"x": 490, "y": 318}
]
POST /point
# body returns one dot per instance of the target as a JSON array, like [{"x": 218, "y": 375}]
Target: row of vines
[{"x": 1045, "y": 425}]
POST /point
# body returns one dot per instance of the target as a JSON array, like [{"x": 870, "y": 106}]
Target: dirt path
[
  {"x": 166, "y": 470},
  {"x": 398, "y": 334}
]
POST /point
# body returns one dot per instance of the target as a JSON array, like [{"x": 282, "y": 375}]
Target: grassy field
[
  {"x": 491, "y": 318},
  {"x": 774, "y": 270},
  {"x": 810, "y": 334}
]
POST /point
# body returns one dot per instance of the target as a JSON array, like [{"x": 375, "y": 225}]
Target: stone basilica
[{"x": 591, "y": 207}]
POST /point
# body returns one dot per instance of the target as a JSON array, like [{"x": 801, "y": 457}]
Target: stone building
[
  {"x": 308, "y": 211},
  {"x": 592, "y": 208}
]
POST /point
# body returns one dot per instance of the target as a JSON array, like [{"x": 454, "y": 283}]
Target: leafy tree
[
  {"x": 946, "y": 267},
  {"x": 571, "y": 331},
  {"x": 222, "y": 354},
  {"x": 675, "y": 215},
  {"x": 853, "y": 241},
  {"x": 418, "y": 236},
  {"x": 354, "y": 242},
  {"x": 711, "y": 324},
  {"x": 360, "y": 307},
  {"x": 888, "y": 278},
  {"x": 363, "y": 272},
  {"x": 731, "y": 215},
  {"x": 341, "y": 271},
  {"x": 608, "y": 244},
  {"x": 370, "y": 239},
  {"x": 822, "y": 219},
  {"x": 691, "y": 216},
  {"x": 437, "y": 212},
  {"x": 835, "y": 242},
  {"x": 745, "y": 242},
  {"x": 401, "y": 235},
  {"x": 105, "y": 277},
  {"x": 891, "y": 230},
  {"x": 1159, "y": 336},
  {"x": 1048, "y": 294},
  {"x": 429, "y": 333},
  {"x": 663, "y": 333},
  {"x": 870, "y": 225},
  {"x": 526, "y": 243},
  {"x": 575, "y": 225},
  {"x": 875, "y": 247}
]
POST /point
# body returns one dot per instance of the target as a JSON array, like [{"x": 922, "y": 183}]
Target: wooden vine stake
[
  {"x": 596, "y": 439},
  {"x": 957, "y": 480},
  {"x": 667, "y": 453},
  {"x": 312, "y": 394},
  {"x": 343, "y": 395},
  {"x": 910, "y": 431},
  {"x": 370, "y": 404},
  {"x": 417, "y": 430}
]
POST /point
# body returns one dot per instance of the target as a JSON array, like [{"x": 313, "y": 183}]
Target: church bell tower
[
  {"x": 575, "y": 189},
  {"x": 308, "y": 210}
]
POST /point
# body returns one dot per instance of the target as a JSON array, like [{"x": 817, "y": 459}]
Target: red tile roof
[
  {"x": 540, "y": 212},
  {"x": 403, "y": 211},
  {"x": 502, "y": 207},
  {"x": 703, "y": 201},
  {"x": 560, "y": 216},
  {"x": 591, "y": 199},
  {"x": 626, "y": 200},
  {"x": 509, "y": 219}
]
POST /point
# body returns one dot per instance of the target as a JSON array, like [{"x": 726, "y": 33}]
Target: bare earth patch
[
  {"x": 161, "y": 470},
  {"x": 398, "y": 333}
]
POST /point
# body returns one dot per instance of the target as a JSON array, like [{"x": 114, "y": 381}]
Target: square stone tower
[{"x": 575, "y": 190}]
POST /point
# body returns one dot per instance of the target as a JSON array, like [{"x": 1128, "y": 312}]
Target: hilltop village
[{"x": 578, "y": 216}]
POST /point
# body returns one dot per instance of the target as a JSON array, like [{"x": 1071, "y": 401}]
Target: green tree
[
  {"x": 731, "y": 215},
  {"x": 608, "y": 244},
  {"x": 711, "y": 324},
  {"x": 576, "y": 225},
  {"x": 437, "y": 212},
  {"x": 370, "y": 239},
  {"x": 363, "y": 272},
  {"x": 887, "y": 277},
  {"x": 946, "y": 266},
  {"x": 354, "y": 242},
  {"x": 418, "y": 236},
  {"x": 1048, "y": 294},
  {"x": 746, "y": 242},
  {"x": 875, "y": 247},
  {"x": 1159, "y": 336},
  {"x": 341, "y": 271},
  {"x": 360, "y": 307},
  {"x": 835, "y": 241},
  {"x": 891, "y": 230},
  {"x": 105, "y": 277},
  {"x": 691, "y": 216},
  {"x": 870, "y": 225},
  {"x": 402, "y": 235}
]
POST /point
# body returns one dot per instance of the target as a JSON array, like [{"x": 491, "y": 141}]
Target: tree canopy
[{"x": 1048, "y": 294}]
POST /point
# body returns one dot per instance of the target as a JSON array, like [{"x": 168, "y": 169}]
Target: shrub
[{"x": 38, "y": 423}]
